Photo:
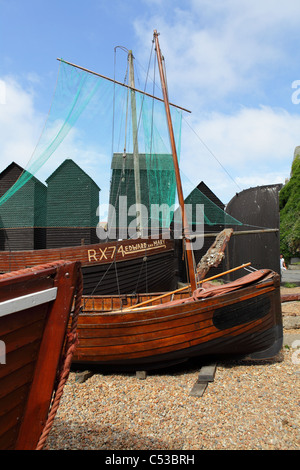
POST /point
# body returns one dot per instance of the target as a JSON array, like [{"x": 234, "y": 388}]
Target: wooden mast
[
  {"x": 136, "y": 162},
  {"x": 188, "y": 244}
]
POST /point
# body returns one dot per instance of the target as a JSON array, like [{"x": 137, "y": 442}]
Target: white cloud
[
  {"x": 252, "y": 147},
  {"x": 225, "y": 62},
  {"x": 20, "y": 124},
  {"x": 264, "y": 134},
  {"x": 218, "y": 49},
  {"x": 260, "y": 180}
]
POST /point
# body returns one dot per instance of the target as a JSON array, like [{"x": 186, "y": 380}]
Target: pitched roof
[
  {"x": 71, "y": 162},
  {"x": 16, "y": 165}
]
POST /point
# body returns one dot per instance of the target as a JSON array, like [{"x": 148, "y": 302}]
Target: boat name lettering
[
  {"x": 103, "y": 254},
  {"x": 108, "y": 253},
  {"x": 137, "y": 247}
]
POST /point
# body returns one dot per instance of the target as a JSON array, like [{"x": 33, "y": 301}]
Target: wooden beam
[
  {"x": 120, "y": 83},
  {"x": 244, "y": 232},
  {"x": 206, "y": 375}
]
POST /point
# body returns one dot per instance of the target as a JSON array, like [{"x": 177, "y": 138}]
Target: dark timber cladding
[
  {"x": 153, "y": 273},
  {"x": 23, "y": 215},
  {"x": 257, "y": 208},
  {"x": 72, "y": 202}
]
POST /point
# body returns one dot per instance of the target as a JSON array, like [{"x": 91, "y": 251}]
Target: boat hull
[
  {"x": 242, "y": 322},
  {"x": 127, "y": 266},
  {"x": 35, "y": 307}
]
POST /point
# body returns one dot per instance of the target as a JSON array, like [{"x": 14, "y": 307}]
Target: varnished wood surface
[
  {"x": 126, "y": 266},
  {"x": 33, "y": 341},
  {"x": 100, "y": 253},
  {"x": 169, "y": 330}
]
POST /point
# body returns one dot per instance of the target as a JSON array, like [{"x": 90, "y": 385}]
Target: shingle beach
[{"x": 249, "y": 406}]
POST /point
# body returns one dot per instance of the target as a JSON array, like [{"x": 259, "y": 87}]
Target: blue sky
[{"x": 231, "y": 63}]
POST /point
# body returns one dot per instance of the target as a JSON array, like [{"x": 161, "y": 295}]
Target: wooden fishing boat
[
  {"x": 140, "y": 265},
  {"x": 146, "y": 332},
  {"x": 36, "y": 352},
  {"x": 242, "y": 318}
]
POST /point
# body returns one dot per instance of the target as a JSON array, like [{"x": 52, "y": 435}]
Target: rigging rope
[{"x": 210, "y": 151}]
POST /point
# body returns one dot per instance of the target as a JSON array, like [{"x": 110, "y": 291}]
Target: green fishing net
[{"x": 88, "y": 147}]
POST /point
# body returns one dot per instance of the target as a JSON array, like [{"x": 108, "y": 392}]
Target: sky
[{"x": 234, "y": 64}]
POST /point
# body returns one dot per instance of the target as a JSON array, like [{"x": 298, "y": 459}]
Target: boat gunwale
[{"x": 268, "y": 285}]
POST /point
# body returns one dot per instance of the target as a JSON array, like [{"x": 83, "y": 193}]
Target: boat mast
[
  {"x": 136, "y": 162},
  {"x": 188, "y": 244}
]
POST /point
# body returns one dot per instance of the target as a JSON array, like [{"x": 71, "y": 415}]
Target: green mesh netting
[
  {"x": 204, "y": 206},
  {"x": 90, "y": 125}
]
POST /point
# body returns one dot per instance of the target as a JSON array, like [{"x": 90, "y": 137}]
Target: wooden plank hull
[
  {"x": 126, "y": 266},
  {"x": 35, "y": 306},
  {"x": 237, "y": 322}
]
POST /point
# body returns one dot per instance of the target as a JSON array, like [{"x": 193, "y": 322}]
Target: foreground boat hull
[
  {"x": 242, "y": 322},
  {"x": 35, "y": 306}
]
